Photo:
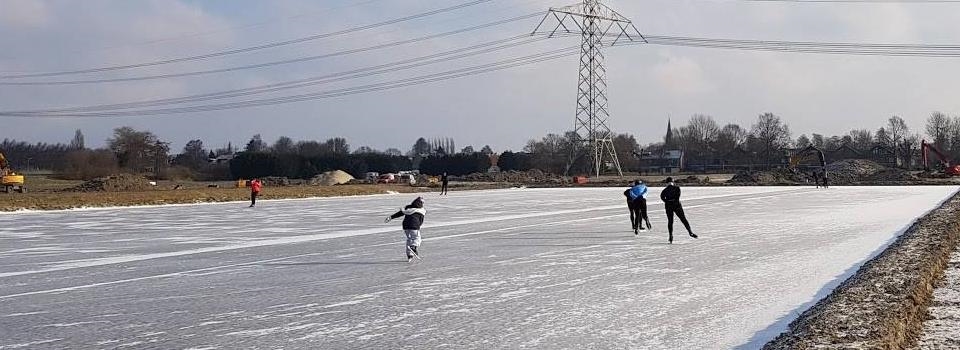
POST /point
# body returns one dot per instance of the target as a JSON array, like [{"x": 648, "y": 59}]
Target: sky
[{"x": 647, "y": 84}]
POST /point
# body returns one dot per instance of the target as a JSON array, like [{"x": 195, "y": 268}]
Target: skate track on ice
[{"x": 535, "y": 268}]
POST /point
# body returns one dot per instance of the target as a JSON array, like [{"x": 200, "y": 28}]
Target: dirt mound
[
  {"x": 114, "y": 183},
  {"x": 691, "y": 180},
  {"x": 769, "y": 177},
  {"x": 861, "y": 171},
  {"x": 533, "y": 176},
  {"x": 275, "y": 181},
  {"x": 330, "y": 178}
]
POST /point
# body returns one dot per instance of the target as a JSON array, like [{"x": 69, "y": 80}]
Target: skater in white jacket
[{"x": 412, "y": 220}]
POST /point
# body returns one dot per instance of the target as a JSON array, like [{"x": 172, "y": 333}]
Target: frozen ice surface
[{"x": 522, "y": 268}]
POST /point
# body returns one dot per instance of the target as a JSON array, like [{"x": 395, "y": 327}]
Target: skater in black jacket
[
  {"x": 671, "y": 202},
  {"x": 412, "y": 219}
]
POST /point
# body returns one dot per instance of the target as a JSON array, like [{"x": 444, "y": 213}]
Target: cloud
[
  {"x": 24, "y": 14},
  {"x": 681, "y": 75}
]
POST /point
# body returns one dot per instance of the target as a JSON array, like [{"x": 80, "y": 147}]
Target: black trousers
[
  {"x": 443, "y": 188},
  {"x": 638, "y": 212},
  {"x": 676, "y": 209},
  {"x": 253, "y": 197}
]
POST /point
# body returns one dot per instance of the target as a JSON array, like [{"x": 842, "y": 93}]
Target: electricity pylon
[{"x": 593, "y": 21}]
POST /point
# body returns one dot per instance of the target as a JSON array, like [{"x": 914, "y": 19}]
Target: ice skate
[
  {"x": 416, "y": 254},
  {"x": 693, "y": 235},
  {"x": 649, "y": 227}
]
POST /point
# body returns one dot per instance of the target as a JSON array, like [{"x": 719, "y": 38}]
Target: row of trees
[{"x": 702, "y": 138}]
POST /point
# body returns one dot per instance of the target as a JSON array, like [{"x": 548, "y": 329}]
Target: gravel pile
[
  {"x": 114, "y": 183},
  {"x": 533, "y": 176},
  {"x": 769, "y": 177},
  {"x": 861, "y": 171},
  {"x": 330, "y": 178}
]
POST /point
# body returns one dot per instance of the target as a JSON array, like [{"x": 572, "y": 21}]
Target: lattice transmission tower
[{"x": 598, "y": 26}]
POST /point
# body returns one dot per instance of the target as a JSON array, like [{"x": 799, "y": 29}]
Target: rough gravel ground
[{"x": 942, "y": 329}]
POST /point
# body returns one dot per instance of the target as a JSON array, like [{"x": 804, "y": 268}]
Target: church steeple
[{"x": 668, "y": 140}]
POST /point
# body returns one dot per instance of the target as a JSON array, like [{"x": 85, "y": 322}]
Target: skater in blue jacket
[{"x": 637, "y": 203}]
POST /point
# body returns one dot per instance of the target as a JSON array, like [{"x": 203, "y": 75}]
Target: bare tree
[
  {"x": 862, "y": 139},
  {"x": 730, "y": 137},
  {"x": 138, "y": 151},
  {"x": 955, "y": 137},
  {"x": 803, "y": 141},
  {"x": 882, "y": 138},
  {"x": 364, "y": 150},
  {"x": 337, "y": 145},
  {"x": 772, "y": 135},
  {"x": 77, "y": 143},
  {"x": 938, "y": 128},
  {"x": 818, "y": 141},
  {"x": 626, "y": 146},
  {"x": 898, "y": 130},
  {"x": 256, "y": 144},
  {"x": 283, "y": 145}
]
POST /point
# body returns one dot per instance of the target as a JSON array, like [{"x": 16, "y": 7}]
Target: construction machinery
[
  {"x": 9, "y": 180},
  {"x": 948, "y": 167},
  {"x": 806, "y": 154}
]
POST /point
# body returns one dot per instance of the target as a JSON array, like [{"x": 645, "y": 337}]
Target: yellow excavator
[
  {"x": 805, "y": 156},
  {"x": 9, "y": 180}
]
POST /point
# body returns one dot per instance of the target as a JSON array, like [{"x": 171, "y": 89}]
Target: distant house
[
  {"x": 843, "y": 152},
  {"x": 884, "y": 156},
  {"x": 665, "y": 162},
  {"x": 221, "y": 159}
]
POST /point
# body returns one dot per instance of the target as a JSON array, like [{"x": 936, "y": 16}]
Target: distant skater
[
  {"x": 412, "y": 219},
  {"x": 671, "y": 202},
  {"x": 444, "y": 182},
  {"x": 816, "y": 178},
  {"x": 637, "y": 203},
  {"x": 826, "y": 182},
  {"x": 255, "y": 187}
]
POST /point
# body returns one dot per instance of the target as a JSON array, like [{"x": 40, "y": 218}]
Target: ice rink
[{"x": 522, "y": 268}]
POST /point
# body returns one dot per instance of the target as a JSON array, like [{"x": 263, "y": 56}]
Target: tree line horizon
[{"x": 702, "y": 139}]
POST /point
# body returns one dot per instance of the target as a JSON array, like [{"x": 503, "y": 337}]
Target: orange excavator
[
  {"x": 9, "y": 180},
  {"x": 948, "y": 168}
]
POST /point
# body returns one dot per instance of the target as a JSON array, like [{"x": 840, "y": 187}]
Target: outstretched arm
[{"x": 394, "y": 216}]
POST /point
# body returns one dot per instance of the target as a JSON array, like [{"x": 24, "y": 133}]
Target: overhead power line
[
  {"x": 396, "y": 66},
  {"x": 251, "y": 48},
  {"x": 215, "y": 31},
  {"x": 839, "y": 48},
  {"x": 869, "y": 49},
  {"x": 424, "y": 79},
  {"x": 274, "y": 63}
]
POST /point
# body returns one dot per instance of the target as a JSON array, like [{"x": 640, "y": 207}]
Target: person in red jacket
[{"x": 255, "y": 187}]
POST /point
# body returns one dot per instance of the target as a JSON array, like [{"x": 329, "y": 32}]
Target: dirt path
[{"x": 68, "y": 200}]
